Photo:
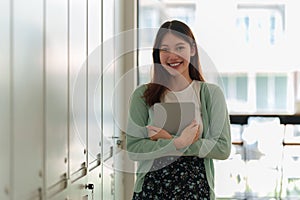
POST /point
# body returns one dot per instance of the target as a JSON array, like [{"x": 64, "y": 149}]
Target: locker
[
  {"x": 5, "y": 114},
  {"x": 27, "y": 102},
  {"x": 56, "y": 122},
  {"x": 94, "y": 83},
  {"x": 56, "y": 96},
  {"x": 108, "y": 80},
  {"x": 78, "y": 88},
  {"x": 94, "y": 177}
]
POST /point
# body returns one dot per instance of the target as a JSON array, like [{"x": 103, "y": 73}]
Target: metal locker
[
  {"x": 5, "y": 114},
  {"x": 109, "y": 70},
  {"x": 94, "y": 95},
  {"x": 27, "y": 99},
  {"x": 56, "y": 97},
  {"x": 78, "y": 89},
  {"x": 94, "y": 178}
]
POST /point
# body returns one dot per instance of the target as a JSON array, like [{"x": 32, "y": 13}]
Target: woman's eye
[
  {"x": 180, "y": 48},
  {"x": 164, "y": 50}
]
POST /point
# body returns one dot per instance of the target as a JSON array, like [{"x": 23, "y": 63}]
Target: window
[
  {"x": 250, "y": 40},
  {"x": 271, "y": 92},
  {"x": 235, "y": 88},
  {"x": 261, "y": 24}
]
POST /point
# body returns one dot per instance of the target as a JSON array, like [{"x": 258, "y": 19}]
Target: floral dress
[{"x": 175, "y": 177}]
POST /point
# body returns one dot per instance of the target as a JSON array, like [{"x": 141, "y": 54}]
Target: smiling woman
[
  {"x": 175, "y": 54},
  {"x": 174, "y": 48},
  {"x": 169, "y": 162}
]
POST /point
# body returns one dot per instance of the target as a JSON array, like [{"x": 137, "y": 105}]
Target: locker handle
[
  {"x": 81, "y": 172},
  {"x": 118, "y": 142},
  {"x": 290, "y": 143},
  {"x": 240, "y": 143}
]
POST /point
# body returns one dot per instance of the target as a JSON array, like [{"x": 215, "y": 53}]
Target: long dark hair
[{"x": 157, "y": 87}]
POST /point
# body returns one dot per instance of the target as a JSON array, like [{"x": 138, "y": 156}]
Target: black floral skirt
[{"x": 174, "y": 177}]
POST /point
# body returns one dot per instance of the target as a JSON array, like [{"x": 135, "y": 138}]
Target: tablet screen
[{"x": 173, "y": 117}]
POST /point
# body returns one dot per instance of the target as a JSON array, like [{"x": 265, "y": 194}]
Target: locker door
[
  {"x": 94, "y": 178},
  {"x": 27, "y": 102},
  {"x": 94, "y": 100},
  {"x": 94, "y": 83},
  {"x": 5, "y": 132},
  {"x": 56, "y": 97},
  {"x": 108, "y": 88},
  {"x": 78, "y": 89}
]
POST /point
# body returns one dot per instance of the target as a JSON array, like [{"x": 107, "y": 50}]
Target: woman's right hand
[
  {"x": 156, "y": 133},
  {"x": 188, "y": 136}
]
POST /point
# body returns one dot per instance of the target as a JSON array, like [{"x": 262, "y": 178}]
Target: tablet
[{"x": 173, "y": 117}]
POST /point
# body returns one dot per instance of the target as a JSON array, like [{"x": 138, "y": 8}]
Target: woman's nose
[{"x": 173, "y": 55}]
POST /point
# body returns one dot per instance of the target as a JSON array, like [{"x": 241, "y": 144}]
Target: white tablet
[{"x": 173, "y": 117}]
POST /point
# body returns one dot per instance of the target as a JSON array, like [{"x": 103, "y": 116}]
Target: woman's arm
[
  {"x": 156, "y": 133},
  {"x": 138, "y": 143},
  {"x": 216, "y": 140}
]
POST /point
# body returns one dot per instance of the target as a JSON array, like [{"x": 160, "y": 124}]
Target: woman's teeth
[{"x": 174, "y": 64}]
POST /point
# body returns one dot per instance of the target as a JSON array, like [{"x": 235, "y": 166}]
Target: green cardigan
[{"x": 214, "y": 144}]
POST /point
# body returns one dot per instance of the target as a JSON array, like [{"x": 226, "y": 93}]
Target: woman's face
[{"x": 175, "y": 54}]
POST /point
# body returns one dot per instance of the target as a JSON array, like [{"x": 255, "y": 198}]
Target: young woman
[{"x": 177, "y": 165}]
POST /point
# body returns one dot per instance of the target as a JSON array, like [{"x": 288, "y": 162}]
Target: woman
[{"x": 177, "y": 165}]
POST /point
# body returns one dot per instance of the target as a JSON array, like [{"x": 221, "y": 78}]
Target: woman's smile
[{"x": 175, "y": 65}]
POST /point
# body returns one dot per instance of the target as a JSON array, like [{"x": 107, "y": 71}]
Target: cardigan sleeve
[
  {"x": 216, "y": 139},
  {"x": 138, "y": 144}
]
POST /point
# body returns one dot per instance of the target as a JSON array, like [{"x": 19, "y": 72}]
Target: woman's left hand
[
  {"x": 196, "y": 138},
  {"x": 156, "y": 133}
]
